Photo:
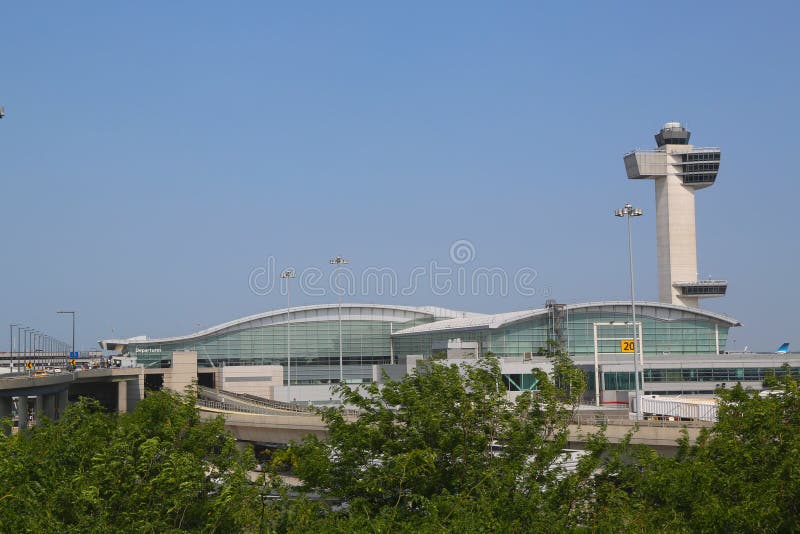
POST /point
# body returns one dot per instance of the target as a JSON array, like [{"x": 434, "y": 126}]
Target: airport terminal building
[{"x": 681, "y": 348}]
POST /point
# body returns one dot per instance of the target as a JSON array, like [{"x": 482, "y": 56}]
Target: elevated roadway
[
  {"x": 35, "y": 396},
  {"x": 269, "y": 425},
  {"x": 651, "y": 433},
  {"x": 268, "y": 429}
]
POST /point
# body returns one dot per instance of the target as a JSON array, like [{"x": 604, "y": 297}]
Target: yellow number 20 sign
[{"x": 626, "y": 345}]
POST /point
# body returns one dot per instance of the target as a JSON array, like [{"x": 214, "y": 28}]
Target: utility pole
[{"x": 338, "y": 260}]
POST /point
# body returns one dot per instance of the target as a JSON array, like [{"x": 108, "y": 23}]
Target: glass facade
[
  {"x": 701, "y": 178},
  {"x": 729, "y": 375},
  {"x": 704, "y": 289},
  {"x": 520, "y": 382},
  {"x": 702, "y": 156},
  {"x": 376, "y": 335},
  {"x": 700, "y": 167},
  {"x": 515, "y": 340},
  {"x": 687, "y": 335},
  {"x": 365, "y": 341},
  {"x": 690, "y": 379},
  {"x": 662, "y": 333},
  {"x": 612, "y": 380}
]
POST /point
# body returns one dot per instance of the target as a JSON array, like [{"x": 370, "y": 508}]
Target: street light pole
[
  {"x": 40, "y": 349},
  {"x": 11, "y": 344},
  {"x": 32, "y": 349},
  {"x": 22, "y": 346},
  {"x": 72, "y": 355},
  {"x": 629, "y": 211},
  {"x": 35, "y": 357},
  {"x": 288, "y": 274},
  {"x": 338, "y": 260}
]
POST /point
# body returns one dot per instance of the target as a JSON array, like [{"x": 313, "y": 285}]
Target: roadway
[
  {"x": 250, "y": 422},
  {"x": 50, "y": 393}
]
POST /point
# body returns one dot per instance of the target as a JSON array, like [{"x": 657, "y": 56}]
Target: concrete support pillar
[
  {"x": 62, "y": 398},
  {"x": 6, "y": 406},
  {"x": 38, "y": 408},
  {"x": 122, "y": 396},
  {"x": 139, "y": 393},
  {"x": 183, "y": 372},
  {"x": 22, "y": 412},
  {"x": 49, "y": 406}
]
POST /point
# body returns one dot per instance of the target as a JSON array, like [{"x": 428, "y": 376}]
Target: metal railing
[
  {"x": 242, "y": 402},
  {"x": 625, "y": 420},
  {"x": 700, "y": 283},
  {"x": 232, "y": 402},
  {"x": 236, "y": 402},
  {"x": 269, "y": 403},
  {"x": 228, "y": 407},
  {"x": 656, "y": 150}
]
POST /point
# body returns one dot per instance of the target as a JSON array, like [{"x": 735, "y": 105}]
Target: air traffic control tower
[{"x": 678, "y": 170}]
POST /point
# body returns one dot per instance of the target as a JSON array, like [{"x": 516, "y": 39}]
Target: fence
[
  {"x": 238, "y": 402},
  {"x": 625, "y": 420}
]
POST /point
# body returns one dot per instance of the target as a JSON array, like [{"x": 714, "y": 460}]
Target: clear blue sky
[{"x": 155, "y": 155}]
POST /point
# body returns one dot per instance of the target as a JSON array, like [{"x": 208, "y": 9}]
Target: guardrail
[
  {"x": 235, "y": 403},
  {"x": 657, "y": 151},
  {"x": 624, "y": 420},
  {"x": 269, "y": 403},
  {"x": 228, "y": 407},
  {"x": 232, "y": 401},
  {"x": 248, "y": 400}
]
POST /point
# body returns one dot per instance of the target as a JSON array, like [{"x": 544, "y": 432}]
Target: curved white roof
[
  {"x": 299, "y": 314},
  {"x": 451, "y": 320},
  {"x": 662, "y": 310},
  {"x": 472, "y": 323},
  {"x": 659, "y": 310}
]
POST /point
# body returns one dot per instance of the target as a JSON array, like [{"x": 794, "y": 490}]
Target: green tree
[
  {"x": 741, "y": 475},
  {"x": 421, "y": 451},
  {"x": 158, "y": 469}
]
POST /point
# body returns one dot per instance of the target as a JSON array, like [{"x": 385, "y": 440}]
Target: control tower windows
[
  {"x": 699, "y": 178},
  {"x": 701, "y": 156}
]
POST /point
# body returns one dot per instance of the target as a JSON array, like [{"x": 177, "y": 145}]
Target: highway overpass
[
  {"x": 34, "y": 396},
  {"x": 274, "y": 423}
]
